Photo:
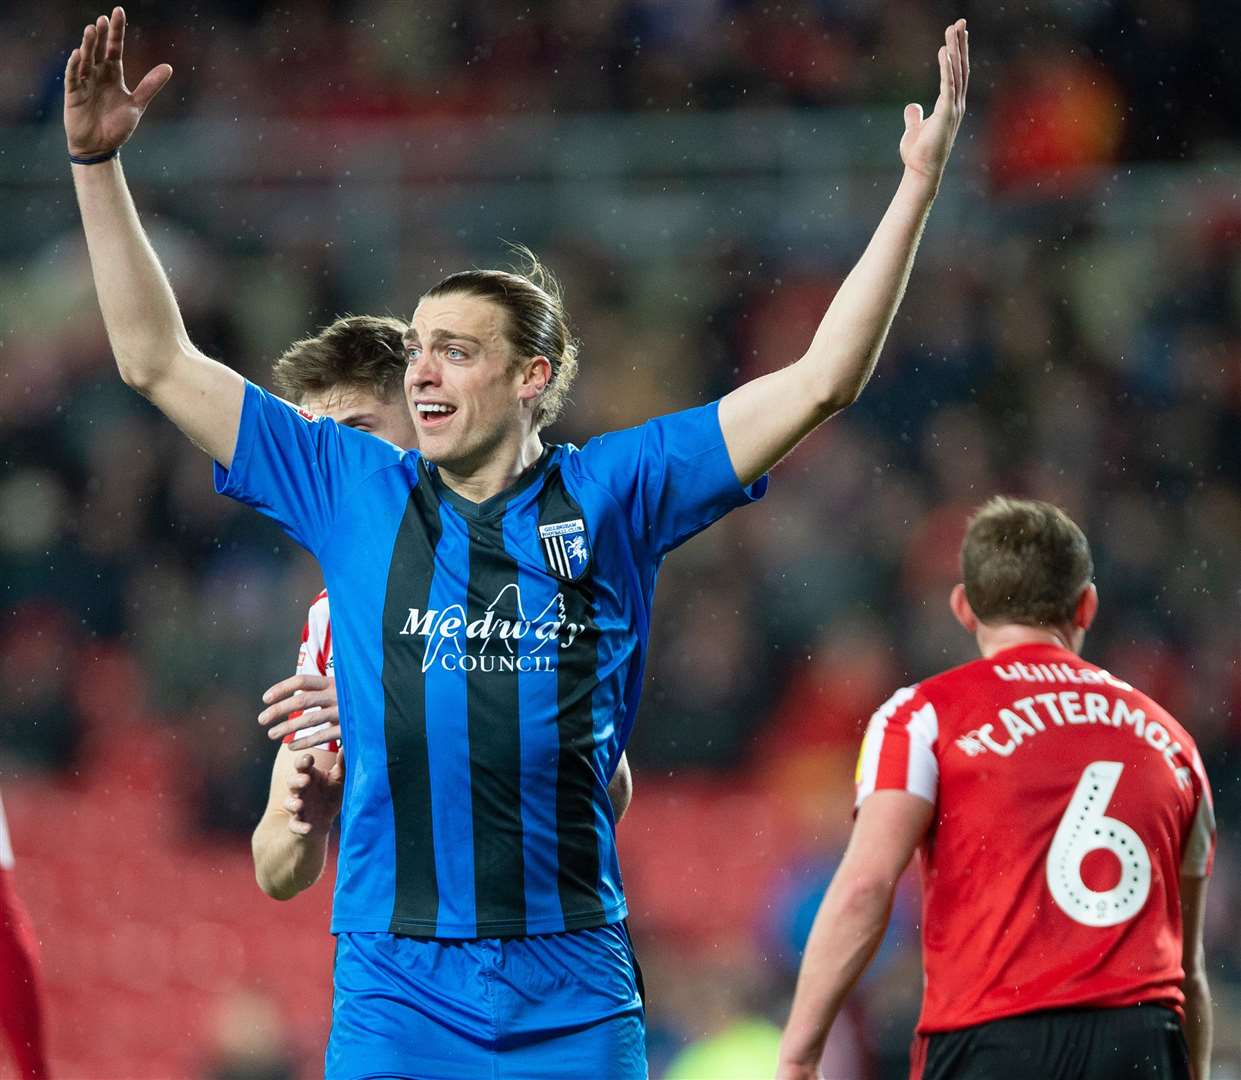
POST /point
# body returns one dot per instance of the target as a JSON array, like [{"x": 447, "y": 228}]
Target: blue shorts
[{"x": 534, "y": 1008}]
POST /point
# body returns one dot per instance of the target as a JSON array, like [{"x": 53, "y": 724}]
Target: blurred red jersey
[{"x": 1068, "y": 805}]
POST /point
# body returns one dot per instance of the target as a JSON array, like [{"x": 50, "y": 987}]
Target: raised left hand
[{"x": 927, "y": 142}]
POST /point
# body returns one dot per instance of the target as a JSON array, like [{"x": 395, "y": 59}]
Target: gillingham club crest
[{"x": 566, "y": 548}]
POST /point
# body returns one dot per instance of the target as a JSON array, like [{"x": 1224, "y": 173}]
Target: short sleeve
[
  {"x": 295, "y": 467},
  {"x": 306, "y": 660},
  {"x": 898, "y": 750},
  {"x": 1198, "y": 854},
  {"x": 673, "y": 473}
]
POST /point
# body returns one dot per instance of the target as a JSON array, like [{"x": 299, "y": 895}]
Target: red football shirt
[{"x": 1068, "y": 805}]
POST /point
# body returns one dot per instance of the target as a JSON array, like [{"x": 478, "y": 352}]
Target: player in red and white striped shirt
[
  {"x": 351, "y": 371},
  {"x": 1065, "y": 831}
]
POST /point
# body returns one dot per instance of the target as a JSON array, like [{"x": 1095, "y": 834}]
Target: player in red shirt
[
  {"x": 21, "y": 997},
  {"x": 351, "y": 371},
  {"x": 1065, "y": 834}
]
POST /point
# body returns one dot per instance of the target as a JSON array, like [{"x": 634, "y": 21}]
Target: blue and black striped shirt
[{"x": 490, "y": 656}]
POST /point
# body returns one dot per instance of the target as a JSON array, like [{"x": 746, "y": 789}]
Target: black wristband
[{"x": 96, "y": 160}]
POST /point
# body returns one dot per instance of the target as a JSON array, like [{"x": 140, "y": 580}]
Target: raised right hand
[{"x": 100, "y": 111}]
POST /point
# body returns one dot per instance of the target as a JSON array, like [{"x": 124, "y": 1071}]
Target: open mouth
[{"x": 432, "y": 414}]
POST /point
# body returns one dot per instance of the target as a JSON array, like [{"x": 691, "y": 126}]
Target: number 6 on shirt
[{"x": 1085, "y": 827}]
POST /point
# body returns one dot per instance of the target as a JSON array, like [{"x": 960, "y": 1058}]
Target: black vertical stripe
[
  {"x": 556, "y": 555},
  {"x": 405, "y": 715},
  {"x": 576, "y": 784},
  {"x": 494, "y": 722}
]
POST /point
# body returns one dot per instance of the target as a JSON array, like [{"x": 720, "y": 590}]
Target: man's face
[
  {"x": 359, "y": 408},
  {"x": 462, "y": 385}
]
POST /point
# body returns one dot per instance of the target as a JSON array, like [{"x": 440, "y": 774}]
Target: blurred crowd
[
  {"x": 1142, "y": 78},
  {"x": 1039, "y": 355}
]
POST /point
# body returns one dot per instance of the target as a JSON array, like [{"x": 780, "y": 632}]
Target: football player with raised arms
[
  {"x": 1065, "y": 834},
  {"x": 491, "y": 606},
  {"x": 351, "y": 372}
]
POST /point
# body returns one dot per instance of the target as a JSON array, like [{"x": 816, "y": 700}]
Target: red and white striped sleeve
[
  {"x": 898, "y": 750},
  {"x": 1198, "y": 852},
  {"x": 315, "y": 658}
]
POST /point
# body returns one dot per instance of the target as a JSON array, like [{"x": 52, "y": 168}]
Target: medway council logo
[{"x": 448, "y": 631}]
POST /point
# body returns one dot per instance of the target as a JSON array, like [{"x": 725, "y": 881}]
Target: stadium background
[{"x": 700, "y": 173}]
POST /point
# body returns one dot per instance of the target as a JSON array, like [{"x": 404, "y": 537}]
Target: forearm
[
  {"x": 847, "y": 344},
  {"x": 284, "y": 863},
  {"x": 1198, "y": 1024},
  {"x": 846, "y": 932},
  {"x": 140, "y": 312}
]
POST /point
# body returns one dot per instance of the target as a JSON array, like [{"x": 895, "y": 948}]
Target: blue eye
[{"x": 453, "y": 353}]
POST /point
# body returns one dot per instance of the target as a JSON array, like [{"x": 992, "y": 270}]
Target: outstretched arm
[
  {"x": 763, "y": 420},
  {"x": 850, "y": 923},
  {"x": 149, "y": 340}
]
